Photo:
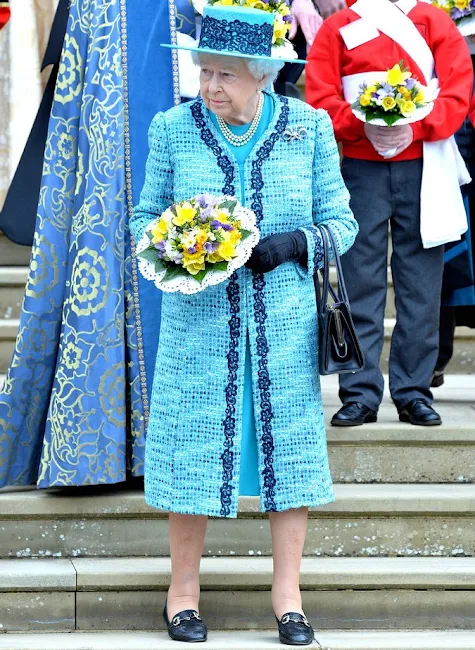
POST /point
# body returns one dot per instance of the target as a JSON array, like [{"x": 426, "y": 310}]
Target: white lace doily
[{"x": 187, "y": 284}]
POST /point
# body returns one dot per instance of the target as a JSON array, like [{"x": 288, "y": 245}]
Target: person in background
[
  {"x": 4, "y": 12},
  {"x": 458, "y": 286},
  {"x": 386, "y": 190}
]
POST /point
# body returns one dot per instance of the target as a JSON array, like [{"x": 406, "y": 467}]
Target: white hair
[{"x": 258, "y": 68}]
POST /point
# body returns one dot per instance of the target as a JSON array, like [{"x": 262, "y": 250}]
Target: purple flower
[
  {"x": 288, "y": 19},
  {"x": 227, "y": 227},
  {"x": 211, "y": 246},
  {"x": 410, "y": 83},
  {"x": 206, "y": 200},
  {"x": 192, "y": 250},
  {"x": 388, "y": 89},
  {"x": 160, "y": 246},
  {"x": 457, "y": 13},
  {"x": 216, "y": 224}
]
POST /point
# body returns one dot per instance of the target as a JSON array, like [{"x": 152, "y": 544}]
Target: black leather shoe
[
  {"x": 419, "y": 412},
  {"x": 294, "y": 629},
  {"x": 186, "y": 626},
  {"x": 354, "y": 414},
  {"x": 437, "y": 379}
]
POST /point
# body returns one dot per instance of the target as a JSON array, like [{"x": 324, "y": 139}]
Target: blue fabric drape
[{"x": 73, "y": 408}]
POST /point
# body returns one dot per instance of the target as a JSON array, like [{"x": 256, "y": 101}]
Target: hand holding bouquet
[
  {"x": 197, "y": 243},
  {"x": 462, "y": 13},
  {"x": 395, "y": 99}
]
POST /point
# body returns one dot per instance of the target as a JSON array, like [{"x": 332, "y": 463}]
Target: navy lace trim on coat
[
  {"x": 260, "y": 316},
  {"x": 236, "y": 36},
  {"x": 318, "y": 254},
  {"x": 229, "y": 423}
]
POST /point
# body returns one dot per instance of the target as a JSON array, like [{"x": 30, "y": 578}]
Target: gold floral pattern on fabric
[{"x": 71, "y": 409}]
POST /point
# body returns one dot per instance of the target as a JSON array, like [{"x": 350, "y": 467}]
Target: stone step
[
  {"x": 12, "y": 287},
  {"x": 12, "y": 254},
  {"x": 463, "y": 361},
  {"x": 237, "y": 640},
  {"x": 364, "y": 521},
  {"x": 339, "y": 594},
  {"x": 13, "y": 280}
]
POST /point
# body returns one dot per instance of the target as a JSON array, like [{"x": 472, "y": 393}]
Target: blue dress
[
  {"x": 74, "y": 407},
  {"x": 194, "y": 438},
  {"x": 249, "y": 476}
]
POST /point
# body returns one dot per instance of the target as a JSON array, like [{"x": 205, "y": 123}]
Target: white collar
[{"x": 406, "y": 5}]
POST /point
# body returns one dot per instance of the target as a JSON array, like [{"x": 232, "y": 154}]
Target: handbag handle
[{"x": 340, "y": 294}]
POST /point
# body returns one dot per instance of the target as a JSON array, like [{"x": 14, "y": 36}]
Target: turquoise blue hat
[{"x": 236, "y": 31}]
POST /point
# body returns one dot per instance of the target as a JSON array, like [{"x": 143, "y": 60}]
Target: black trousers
[{"x": 384, "y": 193}]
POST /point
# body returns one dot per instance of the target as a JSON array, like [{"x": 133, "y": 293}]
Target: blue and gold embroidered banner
[{"x": 74, "y": 406}]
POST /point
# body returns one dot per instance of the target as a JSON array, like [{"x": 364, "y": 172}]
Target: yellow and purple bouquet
[
  {"x": 197, "y": 243},
  {"x": 397, "y": 98},
  {"x": 462, "y": 13}
]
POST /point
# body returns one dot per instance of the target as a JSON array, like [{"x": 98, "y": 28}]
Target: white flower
[{"x": 285, "y": 51}]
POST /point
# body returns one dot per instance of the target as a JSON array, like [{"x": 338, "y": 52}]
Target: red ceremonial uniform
[
  {"x": 4, "y": 12},
  {"x": 329, "y": 60}
]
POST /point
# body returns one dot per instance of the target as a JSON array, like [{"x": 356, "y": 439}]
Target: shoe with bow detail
[
  {"x": 294, "y": 629},
  {"x": 420, "y": 413},
  {"x": 186, "y": 626}
]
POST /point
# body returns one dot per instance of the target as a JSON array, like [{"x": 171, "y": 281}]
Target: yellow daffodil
[
  {"x": 280, "y": 30},
  {"x": 284, "y": 10},
  {"x": 396, "y": 77},
  {"x": 388, "y": 103},
  {"x": 407, "y": 108},
  {"x": 256, "y": 4},
  {"x": 222, "y": 215},
  {"x": 185, "y": 213},
  {"x": 226, "y": 3},
  {"x": 157, "y": 234},
  {"x": 364, "y": 100},
  {"x": 462, "y": 4},
  {"x": 370, "y": 90},
  {"x": 419, "y": 98},
  {"x": 213, "y": 258},
  {"x": 235, "y": 237},
  {"x": 227, "y": 250},
  {"x": 194, "y": 263}
]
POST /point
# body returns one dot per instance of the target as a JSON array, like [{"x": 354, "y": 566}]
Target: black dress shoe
[
  {"x": 294, "y": 629},
  {"x": 354, "y": 414},
  {"x": 437, "y": 379},
  {"x": 186, "y": 626},
  {"x": 419, "y": 412}
]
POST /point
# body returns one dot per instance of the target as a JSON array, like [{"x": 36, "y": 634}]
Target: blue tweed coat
[{"x": 194, "y": 435}]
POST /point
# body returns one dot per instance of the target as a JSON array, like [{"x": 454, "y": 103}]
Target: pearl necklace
[{"x": 241, "y": 140}]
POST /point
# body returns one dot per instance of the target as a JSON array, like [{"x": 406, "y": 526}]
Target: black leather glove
[{"x": 274, "y": 250}]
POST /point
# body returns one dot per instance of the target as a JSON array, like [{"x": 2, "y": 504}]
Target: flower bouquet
[
  {"x": 197, "y": 243},
  {"x": 462, "y": 13},
  {"x": 395, "y": 99}
]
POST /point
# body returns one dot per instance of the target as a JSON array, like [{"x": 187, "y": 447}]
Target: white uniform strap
[{"x": 388, "y": 19}]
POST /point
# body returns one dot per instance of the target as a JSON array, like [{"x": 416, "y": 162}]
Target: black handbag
[{"x": 339, "y": 347}]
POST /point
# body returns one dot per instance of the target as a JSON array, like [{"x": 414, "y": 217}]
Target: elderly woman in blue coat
[{"x": 236, "y": 404}]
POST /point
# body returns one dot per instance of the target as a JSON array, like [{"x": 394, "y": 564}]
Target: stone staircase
[{"x": 389, "y": 566}]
